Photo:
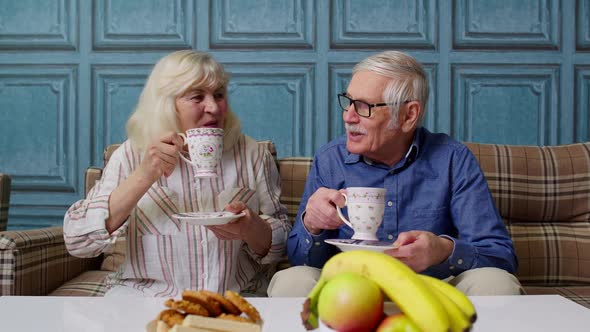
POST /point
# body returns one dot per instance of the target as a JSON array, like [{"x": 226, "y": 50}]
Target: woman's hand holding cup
[{"x": 161, "y": 157}]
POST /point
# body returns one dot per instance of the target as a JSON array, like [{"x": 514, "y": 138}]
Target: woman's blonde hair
[{"x": 175, "y": 74}]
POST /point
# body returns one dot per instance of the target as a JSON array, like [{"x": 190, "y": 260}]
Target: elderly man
[{"x": 438, "y": 206}]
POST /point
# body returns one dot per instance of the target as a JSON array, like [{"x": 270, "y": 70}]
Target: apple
[
  {"x": 397, "y": 323},
  {"x": 350, "y": 303}
]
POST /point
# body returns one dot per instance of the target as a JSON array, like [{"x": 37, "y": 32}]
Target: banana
[
  {"x": 458, "y": 320},
  {"x": 395, "y": 279},
  {"x": 460, "y": 299}
]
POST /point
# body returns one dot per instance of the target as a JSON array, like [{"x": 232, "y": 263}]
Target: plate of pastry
[{"x": 208, "y": 218}]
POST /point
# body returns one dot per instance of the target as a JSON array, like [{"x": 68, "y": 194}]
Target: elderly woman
[{"x": 145, "y": 183}]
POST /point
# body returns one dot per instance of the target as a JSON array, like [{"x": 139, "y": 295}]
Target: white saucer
[
  {"x": 208, "y": 218},
  {"x": 350, "y": 244}
]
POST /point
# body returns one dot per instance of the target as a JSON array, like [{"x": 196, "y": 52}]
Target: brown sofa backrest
[{"x": 293, "y": 172}]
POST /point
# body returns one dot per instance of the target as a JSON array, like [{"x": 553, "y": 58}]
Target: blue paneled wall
[{"x": 501, "y": 71}]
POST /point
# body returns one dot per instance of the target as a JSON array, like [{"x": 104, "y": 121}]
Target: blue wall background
[{"x": 502, "y": 71}]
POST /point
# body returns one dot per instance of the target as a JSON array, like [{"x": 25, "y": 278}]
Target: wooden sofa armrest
[
  {"x": 35, "y": 262},
  {"x": 4, "y": 200}
]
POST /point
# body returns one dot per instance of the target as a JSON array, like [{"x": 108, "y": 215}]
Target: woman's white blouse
[{"x": 165, "y": 256}]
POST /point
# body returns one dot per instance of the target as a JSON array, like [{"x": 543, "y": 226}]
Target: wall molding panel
[
  {"x": 55, "y": 27},
  {"x": 148, "y": 24},
  {"x": 71, "y": 72},
  {"x": 583, "y": 24},
  {"x": 582, "y": 102},
  {"x": 43, "y": 154},
  {"x": 267, "y": 96},
  {"x": 507, "y": 24},
  {"x": 507, "y": 97},
  {"x": 39, "y": 123},
  {"x": 392, "y": 24},
  {"x": 280, "y": 24},
  {"x": 116, "y": 89}
]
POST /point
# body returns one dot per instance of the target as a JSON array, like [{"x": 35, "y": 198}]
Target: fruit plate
[
  {"x": 208, "y": 218},
  {"x": 350, "y": 244}
]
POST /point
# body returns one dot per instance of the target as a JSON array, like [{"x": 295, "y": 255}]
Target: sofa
[{"x": 542, "y": 193}]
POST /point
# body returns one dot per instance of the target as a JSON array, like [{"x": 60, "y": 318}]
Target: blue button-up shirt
[{"x": 438, "y": 187}]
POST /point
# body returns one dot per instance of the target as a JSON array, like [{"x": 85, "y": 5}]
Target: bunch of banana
[{"x": 432, "y": 304}]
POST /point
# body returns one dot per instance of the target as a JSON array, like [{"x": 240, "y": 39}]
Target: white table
[{"x": 91, "y": 314}]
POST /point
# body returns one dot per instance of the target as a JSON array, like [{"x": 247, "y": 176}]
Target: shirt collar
[{"x": 410, "y": 156}]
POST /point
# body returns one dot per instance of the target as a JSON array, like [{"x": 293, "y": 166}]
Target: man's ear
[{"x": 411, "y": 116}]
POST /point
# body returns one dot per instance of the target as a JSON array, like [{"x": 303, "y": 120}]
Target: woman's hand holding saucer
[{"x": 250, "y": 228}]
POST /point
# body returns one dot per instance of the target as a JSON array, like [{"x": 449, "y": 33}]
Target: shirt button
[
  {"x": 460, "y": 261},
  {"x": 317, "y": 243},
  {"x": 390, "y": 203},
  {"x": 451, "y": 267},
  {"x": 204, "y": 275},
  {"x": 390, "y": 237}
]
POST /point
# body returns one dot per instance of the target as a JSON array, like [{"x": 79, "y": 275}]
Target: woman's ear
[{"x": 411, "y": 116}]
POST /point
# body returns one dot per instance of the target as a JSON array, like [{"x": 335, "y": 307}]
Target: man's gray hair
[{"x": 408, "y": 80}]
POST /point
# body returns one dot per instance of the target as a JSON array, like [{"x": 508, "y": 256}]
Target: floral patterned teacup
[
  {"x": 365, "y": 210},
  {"x": 205, "y": 147}
]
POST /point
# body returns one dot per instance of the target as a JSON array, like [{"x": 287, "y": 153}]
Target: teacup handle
[
  {"x": 344, "y": 220},
  {"x": 184, "y": 143}
]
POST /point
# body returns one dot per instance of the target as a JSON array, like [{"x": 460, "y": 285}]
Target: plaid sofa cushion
[
  {"x": 35, "y": 262},
  {"x": 113, "y": 259},
  {"x": 89, "y": 283},
  {"x": 543, "y": 194},
  {"x": 91, "y": 175},
  {"x": 580, "y": 295},
  {"x": 531, "y": 183},
  {"x": 552, "y": 254},
  {"x": 293, "y": 172},
  {"x": 4, "y": 200}
]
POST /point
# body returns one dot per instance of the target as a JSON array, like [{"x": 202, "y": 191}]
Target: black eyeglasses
[{"x": 361, "y": 108}]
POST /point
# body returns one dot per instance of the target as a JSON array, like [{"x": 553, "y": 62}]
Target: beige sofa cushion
[
  {"x": 551, "y": 254},
  {"x": 89, "y": 283},
  {"x": 35, "y": 262},
  {"x": 581, "y": 295},
  {"x": 293, "y": 172}
]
